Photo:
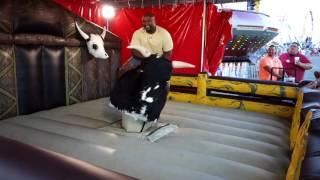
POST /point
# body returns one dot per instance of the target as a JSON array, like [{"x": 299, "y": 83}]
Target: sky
[{"x": 292, "y": 17}]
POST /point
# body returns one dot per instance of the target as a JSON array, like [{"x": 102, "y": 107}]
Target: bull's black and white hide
[
  {"x": 95, "y": 43},
  {"x": 142, "y": 92}
]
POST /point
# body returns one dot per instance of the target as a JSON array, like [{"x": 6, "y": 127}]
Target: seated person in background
[
  {"x": 316, "y": 83},
  {"x": 270, "y": 66},
  {"x": 293, "y": 60},
  {"x": 155, "y": 38}
]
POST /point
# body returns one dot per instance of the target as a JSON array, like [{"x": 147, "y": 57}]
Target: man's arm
[
  {"x": 135, "y": 41},
  {"x": 167, "y": 45},
  {"x": 306, "y": 66},
  {"x": 304, "y": 63},
  {"x": 269, "y": 69}
]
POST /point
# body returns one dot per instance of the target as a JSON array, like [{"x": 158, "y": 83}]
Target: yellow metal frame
[
  {"x": 299, "y": 149},
  {"x": 202, "y": 83},
  {"x": 295, "y": 124},
  {"x": 253, "y": 88}
]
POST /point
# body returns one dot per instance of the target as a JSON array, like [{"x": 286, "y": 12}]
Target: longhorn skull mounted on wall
[{"x": 95, "y": 43}]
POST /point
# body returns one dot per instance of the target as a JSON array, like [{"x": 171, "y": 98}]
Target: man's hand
[
  {"x": 137, "y": 54},
  {"x": 270, "y": 70},
  {"x": 167, "y": 55},
  {"x": 306, "y": 66},
  {"x": 124, "y": 68}
]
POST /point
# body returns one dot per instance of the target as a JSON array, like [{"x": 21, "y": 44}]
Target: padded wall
[
  {"x": 29, "y": 79},
  {"x": 96, "y": 77},
  {"x": 34, "y": 16},
  {"x": 8, "y": 99},
  {"x": 44, "y": 62},
  {"x": 74, "y": 75},
  {"x": 53, "y": 76},
  {"x": 40, "y": 77},
  {"x": 89, "y": 78},
  {"x": 5, "y": 16}
]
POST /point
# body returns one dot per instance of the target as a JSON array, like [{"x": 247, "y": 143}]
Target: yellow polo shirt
[{"x": 158, "y": 42}]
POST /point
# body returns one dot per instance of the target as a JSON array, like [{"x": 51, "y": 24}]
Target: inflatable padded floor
[{"x": 210, "y": 143}]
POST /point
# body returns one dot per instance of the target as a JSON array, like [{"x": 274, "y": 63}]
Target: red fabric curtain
[
  {"x": 90, "y": 10},
  {"x": 219, "y": 33},
  {"x": 184, "y": 22}
]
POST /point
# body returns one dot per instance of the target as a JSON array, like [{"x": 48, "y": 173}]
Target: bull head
[{"x": 95, "y": 43}]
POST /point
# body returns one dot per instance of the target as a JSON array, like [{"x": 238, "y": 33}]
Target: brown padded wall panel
[
  {"x": 8, "y": 99},
  {"x": 37, "y": 17},
  {"x": 90, "y": 75},
  {"x": 29, "y": 78},
  {"x": 6, "y": 16},
  {"x": 115, "y": 55},
  {"x": 74, "y": 75},
  {"x": 104, "y": 78},
  {"x": 96, "y": 77},
  {"x": 6, "y": 39},
  {"x": 53, "y": 74},
  {"x": 38, "y": 39}
]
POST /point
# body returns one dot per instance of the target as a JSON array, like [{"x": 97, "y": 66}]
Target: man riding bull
[{"x": 154, "y": 38}]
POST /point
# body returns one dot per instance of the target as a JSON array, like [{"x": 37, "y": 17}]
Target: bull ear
[
  {"x": 103, "y": 35},
  {"x": 83, "y": 34}
]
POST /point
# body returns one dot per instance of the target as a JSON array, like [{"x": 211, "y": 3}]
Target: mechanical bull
[{"x": 141, "y": 92}]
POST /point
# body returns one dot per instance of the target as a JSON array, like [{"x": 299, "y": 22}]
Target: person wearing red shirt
[{"x": 295, "y": 63}]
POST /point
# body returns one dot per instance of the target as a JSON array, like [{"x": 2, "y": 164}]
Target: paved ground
[{"x": 316, "y": 67}]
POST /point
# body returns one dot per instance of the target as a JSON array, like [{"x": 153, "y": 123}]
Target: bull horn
[
  {"x": 83, "y": 34},
  {"x": 180, "y": 64},
  {"x": 143, "y": 51},
  {"x": 103, "y": 34}
]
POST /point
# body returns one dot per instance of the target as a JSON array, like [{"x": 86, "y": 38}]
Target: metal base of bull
[{"x": 130, "y": 124}]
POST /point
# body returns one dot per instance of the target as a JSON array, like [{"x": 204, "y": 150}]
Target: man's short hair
[
  {"x": 149, "y": 14},
  {"x": 272, "y": 46},
  {"x": 295, "y": 43}
]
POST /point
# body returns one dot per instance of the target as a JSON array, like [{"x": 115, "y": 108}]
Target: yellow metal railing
[
  {"x": 253, "y": 88},
  {"x": 203, "y": 83},
  {"x": 299, "y": 150}
]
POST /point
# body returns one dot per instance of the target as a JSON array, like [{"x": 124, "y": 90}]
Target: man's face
[
  {"x": 271, "y": 51},
  {"x": 293, "y": 50},
  {"x": 149, "y": 24}
]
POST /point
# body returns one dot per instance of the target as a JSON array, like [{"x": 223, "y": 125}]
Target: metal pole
[{"x": 203, "y": 34}]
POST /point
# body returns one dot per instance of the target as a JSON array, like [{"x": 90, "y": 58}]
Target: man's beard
[{"x": 151, "y": 30}]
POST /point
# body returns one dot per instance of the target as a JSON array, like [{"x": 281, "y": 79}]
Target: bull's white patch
[
  {"x": 136, "y": 116},
  {"x": 144, "y": 96},
  {"x": 143, "y": 110},
  {"x": 111, "y": 105},
  {"x": 149, "y": 100},
  {"x": 95, "y": 43},
  {"x": 156, "y": 87}
]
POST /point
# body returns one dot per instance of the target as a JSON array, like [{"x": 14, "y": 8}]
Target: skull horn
[
  {"x": 83, "y": 34},
  {"x": 103, "y": 34}
]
